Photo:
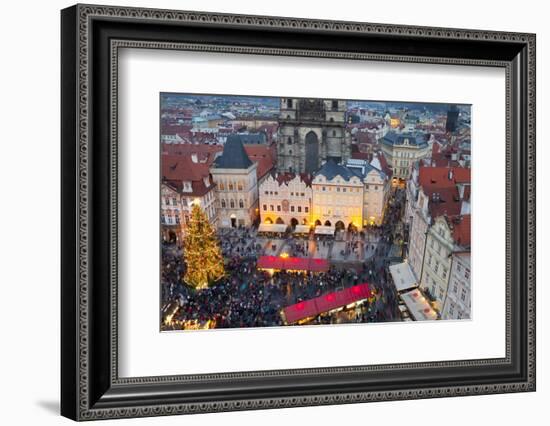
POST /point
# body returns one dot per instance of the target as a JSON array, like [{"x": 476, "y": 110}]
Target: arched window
[
  {"x": 221, "y": 186},
  {"x": 230, "y": 186},
  {"x": 223, "y": 204},
  {"x": 241, "y": 204},
  {"x": 232, "y": 204},
  {"x": 331, "y": 119},
  {"x": 289, "y": 152}
]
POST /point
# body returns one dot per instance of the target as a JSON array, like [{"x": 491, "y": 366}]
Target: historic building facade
[
  {"x": 235, "y": 176},
  {"x": 447, "y": 236},
  {"x": 337, "y": 197},
  {"x": 311, "y": 131},
  {"x": 458, "y": 302},
  {"x": 376, "y": 191},
  {"x": 185, "y": 181},
  {"x": 402, "y": 150},
  {"x": 285, "y": 198}
]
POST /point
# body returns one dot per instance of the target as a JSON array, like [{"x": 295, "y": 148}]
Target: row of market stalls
[
  {"x": 276, "y": 228},
  {"x": 292, "y": 264},
  {"x": 307, "y": 310},
  {"x": 416, "y": 305}
]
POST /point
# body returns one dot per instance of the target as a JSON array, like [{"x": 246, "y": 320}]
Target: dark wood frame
[{"x": 90, "y": 386}]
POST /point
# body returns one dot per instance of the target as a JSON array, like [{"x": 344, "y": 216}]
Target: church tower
[{"x": 311, "y": 131}]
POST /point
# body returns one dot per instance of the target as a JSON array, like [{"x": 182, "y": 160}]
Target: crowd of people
[{"x": 248, "y": 297}]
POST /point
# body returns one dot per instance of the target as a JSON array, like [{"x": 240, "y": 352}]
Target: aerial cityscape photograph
[{"x": 311, "y": 211}]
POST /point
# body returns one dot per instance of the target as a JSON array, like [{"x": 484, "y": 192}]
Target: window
[
  {"x": 302, "y": 194},
  {"x": 174, "y": 201},
  {"x": 306, "y": 209},
  {"x": 299, "y": 209},
  {"x": 463, "y": 295},
  {"x": 265, "y": 207},
  {"x": 223, "y": 204},
  {"x": 241, "y": 204},
  {"x": 289, "y": 140},
  {"x": 278, "y": 208},
  {"x": 271, "y": 207},
  {"x": 177, "y": 219},
  {"x": 324, "y": 189},
  {"x": 289, "y": 152},
  {"x": 366, "y": 187},
  {"x": 292, "y": 209},
  {"x": 452, "y": 309},
  {"x": 163, "y": 218},
  {"x": 335, "y": 105},
  {"x": 230, "y": 186},
  {"x": 266, "y": 192},
  {"x": 338, "y": 189},
  {"x": 240, "y": 186},
  {"x": 444, "y": 272},
  {"x": 232, "y": 204},
  {"x": 344, "y": 189},
  {"x": 467, "y": 274},
  {"x": 455, "y": 288},
  {"x": 334, "y": 133},
  {"x": 289, "y": 103},
  {"x": 167, "y": 201},
  {"x": 221, "y": 186}
]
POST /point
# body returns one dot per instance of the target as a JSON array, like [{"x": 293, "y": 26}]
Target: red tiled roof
[
  {"x": 462, "y": 230},
  {"x": 177, "y": 169},
  {"x": 384, "y": 164},
  {"x": 263, "y": 155},
  {"x": 443, "y": 201},
  {"x": 441, "y": 177}
]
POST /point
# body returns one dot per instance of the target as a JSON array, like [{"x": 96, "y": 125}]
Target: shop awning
[
  {"x": 418, "y": 305},
  {"x": 403, "y": 277},
  {"x": 324, "y": 230},
  {"x": 272, "y": 227},
  {"x": 325, "y": 303},
  {"x": 292, "y": 264}
]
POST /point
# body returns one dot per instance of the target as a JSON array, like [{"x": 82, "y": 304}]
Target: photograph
[{"x": 279, "y": 211}]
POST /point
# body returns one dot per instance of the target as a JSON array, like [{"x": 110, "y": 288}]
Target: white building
[
  {"x": 448, "y": 235},
  {"x": 235, "y": 176},
  {"x": 458, "y": 302},
  {"x": 376, "y": 190},
  {"x": 285, "y": 198},
  {"x": 185, "y": 181},
  {"x": 337, "y": 197},
  {"x": 402, "y": 150}
]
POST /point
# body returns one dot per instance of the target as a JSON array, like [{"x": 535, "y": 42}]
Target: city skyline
[{"x": 323, "y": 210}]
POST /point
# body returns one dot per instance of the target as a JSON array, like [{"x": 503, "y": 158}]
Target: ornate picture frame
[{"x": 90, "y": 39}]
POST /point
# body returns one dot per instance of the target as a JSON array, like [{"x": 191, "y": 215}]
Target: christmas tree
[{"x": 202, "y": 253}]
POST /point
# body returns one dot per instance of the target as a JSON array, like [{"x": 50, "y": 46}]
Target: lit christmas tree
[{"x": 202, "y": 253}]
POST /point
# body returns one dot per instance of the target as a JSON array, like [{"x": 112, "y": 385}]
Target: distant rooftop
[{"x": 394, "y": 138}]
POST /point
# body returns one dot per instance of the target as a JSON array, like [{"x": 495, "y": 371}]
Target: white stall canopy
[
  {"x": 324, "y": 230},
  {"x": 272, "y": 227},
  {"x": 403, "y": 277},
  {"x": 418, "y": 305},
  {"x": 301, "y": 229}
]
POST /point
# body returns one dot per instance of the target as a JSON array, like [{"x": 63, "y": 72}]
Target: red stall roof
[
  {"x": 326, "y": 302},
  {"x": 293, "y": 263}
]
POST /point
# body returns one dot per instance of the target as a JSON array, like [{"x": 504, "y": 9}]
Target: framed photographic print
[{"x": 263, "y": 212}]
